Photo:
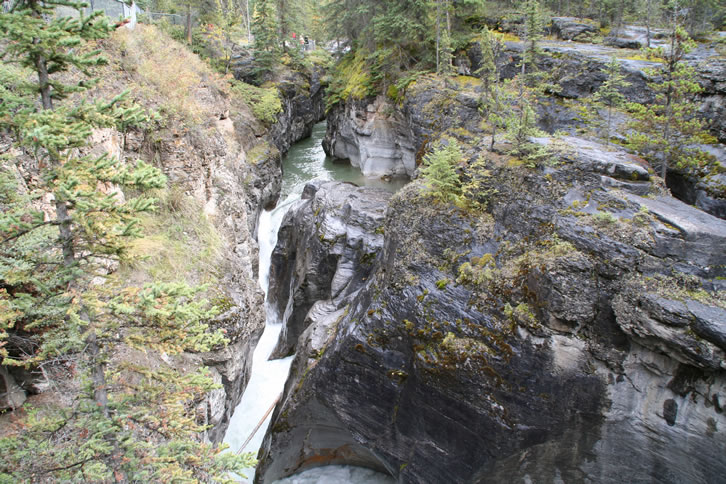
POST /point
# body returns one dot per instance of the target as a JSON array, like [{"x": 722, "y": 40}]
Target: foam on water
[{"x": 338, "y": 475}]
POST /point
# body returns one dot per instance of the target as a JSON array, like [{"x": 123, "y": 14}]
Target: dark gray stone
[
  {"x": 570, "y": 28},
  {"x": 549, "y": 358},
  {"x": 326, "y": 248},
  {"x": 709, "y": 322}
]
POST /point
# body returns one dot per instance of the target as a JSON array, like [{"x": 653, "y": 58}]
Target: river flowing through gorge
[{"x": 304, "y": 162}]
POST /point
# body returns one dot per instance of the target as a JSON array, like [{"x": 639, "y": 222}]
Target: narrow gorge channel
[{"x": 306, "y": 161}]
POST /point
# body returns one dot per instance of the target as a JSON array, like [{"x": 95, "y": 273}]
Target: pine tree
[
  {"x": 289, "y": 20},
  {"x": 446, "y": 54},
  {"x": 126, "y": 423},
  {"x": 609, "y": 93},
  {"x": 521, "y": 125},
  {"x": 666, "y": 129}
]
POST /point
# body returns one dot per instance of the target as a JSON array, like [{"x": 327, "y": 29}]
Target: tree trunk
[
  {"x": 66, "y": 236},
  {"x": 98, "y": 373},
  {"x": 249, "y": 25},
  {"x": 647, "y": 23},
  {"x": 42, "y": 69},
  {"x": 438, "y": 33},
  {"x": 189, "y": 24}
]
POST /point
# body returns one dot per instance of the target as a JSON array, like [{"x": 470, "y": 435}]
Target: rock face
[
  {"x": 228, "y": 164},
  {"x": 372, "y": 136},
  {"x": 325, "y": 251},
  {"x": 302, "y": 106},
  {"x": 712, "y": 78},
  {"x": 570, "y": 28},
  {"x": 573, "y": 331},
  {"x": 212, "y": 166},
  {"x": 578, "y": 71},
  {"x": 237, "y": 174},
  {"x": 636, "y": 37},
  {"x": 706, "y": 189}
]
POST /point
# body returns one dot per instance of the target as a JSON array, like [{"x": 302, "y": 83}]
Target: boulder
[{"x": 570, "y": 28}]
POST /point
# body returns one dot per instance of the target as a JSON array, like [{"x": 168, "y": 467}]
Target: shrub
[
  {"x": 264, "y": 102},
  {"x": 439, "y": 172}
]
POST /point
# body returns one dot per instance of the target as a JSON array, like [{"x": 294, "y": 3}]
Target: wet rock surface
[
  {"x": 326, "y": 248},
  {"x": 636, "y": 37},
  {"x": 573, "y": 330}
]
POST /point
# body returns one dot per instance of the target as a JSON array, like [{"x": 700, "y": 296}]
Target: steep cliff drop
[
  {"x": 563, "y": 323},
  {"x": 304, "y": 162}
]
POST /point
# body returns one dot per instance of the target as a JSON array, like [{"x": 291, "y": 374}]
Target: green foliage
[
  {"x": 470, "y": 190},
  {"x": 264, "y": 28},
  {"x": 446, "y": 54},
  {"x": 521, "y": 314},
  {"x": 533, "y": 29},
  {"x": 521, "y": 126},
  {"x": 665, "y": 130},
  {"x": 397, "y": 91},
  {"x": 264, "y": 102},
  {"x": 439, "y": 172},
  {"x": 492, "y": 97},
  {"x": 178, "y": 227},
  {"x": 480, "y": 271},
  {"x": 126, "y": 422},
  {"x": 477, "y": 188},
  {"x": 609, "y": 93},
  {"x": 353, "y": 78},
  {"x": 404, "y": 35},
  {"x": 220, "y": 38}
]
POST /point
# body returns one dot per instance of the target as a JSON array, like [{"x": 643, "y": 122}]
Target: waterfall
[{"x": 268, "y": 376}]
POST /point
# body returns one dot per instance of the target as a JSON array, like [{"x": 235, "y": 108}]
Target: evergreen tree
[
  {"x": 609, "y": 93},
  {"x": 666, "y": 129},
  {"x": 265, "y": 30},
  {"x": 289, "y": 20},
  {"x": 127, "y": 422},
  {"x": 490, "y": 101},
  {"x": 521, "y": 125},
  {"x": 439, "y": 172},
  {"x": 533, "y": 28},
  {"x": 446, "y": 58}
]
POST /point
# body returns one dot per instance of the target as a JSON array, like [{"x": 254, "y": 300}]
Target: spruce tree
[
  {"x": 609, "y": 93},
  {"x": 265, "y": 29},
  {"x": 127, "y": 422},
  {"x": 533, "y": 28},
  {"x": 490, "y": 102},
  {"x": 446, "y": 66},
  {"x": 439, "y": 172},
  {"x": 665, "y": 130}
]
